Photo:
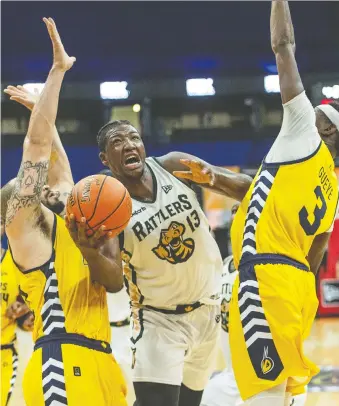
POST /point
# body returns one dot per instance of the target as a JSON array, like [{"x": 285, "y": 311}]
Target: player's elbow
[
  {"x": 283, "y": 46},
  {"x": 37, "y": 140},
  {"x": 114, "y": 287},
  {"x": 243, "y": 187}
]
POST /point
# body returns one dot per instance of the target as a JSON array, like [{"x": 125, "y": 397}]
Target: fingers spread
[
  {"x": 212, "y": 179},
  {"x": 99, "y": 233},
  {"x": 99, "y": 237},
  {"x": 191, "y": 163},
  {"x": 82, "y": 231},
  {"x": 18, "y": 99},
  {"x": 183, "y": 174},
  {"x": 52, "y": 30}
]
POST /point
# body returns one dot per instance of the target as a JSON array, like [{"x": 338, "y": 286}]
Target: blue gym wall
[{"x": 84, "y": 159}]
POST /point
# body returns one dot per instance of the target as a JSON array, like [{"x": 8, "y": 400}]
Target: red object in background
[
  {"x": 326, "y": 101},
  {"x": 328, "y": 279}
]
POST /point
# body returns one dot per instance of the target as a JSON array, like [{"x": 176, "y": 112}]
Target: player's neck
[{"x": 142, "y": 188}]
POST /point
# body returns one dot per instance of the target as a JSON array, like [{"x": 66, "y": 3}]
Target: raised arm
[
  {"x": 283, "y": 45},
  {"x": 298, "y": 137},
  {"x": 59, "y": 172},
  {"x": 218, "y": 179},
  {"x": 27, "y": 222}
]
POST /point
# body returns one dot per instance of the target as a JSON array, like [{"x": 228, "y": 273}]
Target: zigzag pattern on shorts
[
  {"x": 253, "y": 320},
  {"x": 259, "y": 196},
  {"x": 52, "y": 314},
  {"x": 53, "y": 383},
  {"x": 257, "y": 333}
]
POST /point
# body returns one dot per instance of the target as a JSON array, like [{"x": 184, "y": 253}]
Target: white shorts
[
  {"x": 175, "y": 348},
  {"x": 221, "y": 390},
  {"x": 121, "y": 349}
]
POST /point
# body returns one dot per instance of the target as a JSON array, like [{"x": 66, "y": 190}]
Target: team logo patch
[
  {"x": 173, "y": 247},
  {"x": 267, "y": 363},
  {"x": 167, "y": 188},
  {"x": 76, "y": 371}
]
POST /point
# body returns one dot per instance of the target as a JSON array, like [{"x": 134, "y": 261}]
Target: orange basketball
[{"x": 102, "y": 200}]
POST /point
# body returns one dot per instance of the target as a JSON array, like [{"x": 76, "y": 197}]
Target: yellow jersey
[
  {"x": 9, "y": 293},
  {"x": 286, "y": 207},
  {"x": 61, "y": 293}
]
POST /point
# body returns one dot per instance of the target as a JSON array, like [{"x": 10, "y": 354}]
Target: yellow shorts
[
  {"x": 73, "y": 374},
  {"x": 272, "y": 309},
  {"x": 9, "y": 366}
]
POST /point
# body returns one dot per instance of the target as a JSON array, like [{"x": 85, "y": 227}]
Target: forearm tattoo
[{"x": 28, "y": 187}]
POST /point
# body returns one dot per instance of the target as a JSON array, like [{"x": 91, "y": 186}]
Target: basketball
[{"x": 102, "y": 200}]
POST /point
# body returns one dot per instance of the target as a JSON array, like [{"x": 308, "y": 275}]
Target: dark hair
[{"x": 102, "y": 134}]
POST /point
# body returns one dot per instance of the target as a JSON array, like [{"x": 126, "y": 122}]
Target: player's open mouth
[{"x": 132, "y": 161}]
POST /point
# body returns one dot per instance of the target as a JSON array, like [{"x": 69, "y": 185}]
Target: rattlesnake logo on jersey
[
  {"x": 172, "y": 246},
  {"x": 267, "y": 363},
  {"x": 224, "y": 315}
]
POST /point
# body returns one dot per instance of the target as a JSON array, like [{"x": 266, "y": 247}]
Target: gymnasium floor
[{"x": 322, "y": 346}]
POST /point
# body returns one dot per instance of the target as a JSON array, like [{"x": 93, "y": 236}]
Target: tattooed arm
[
  {"x": 60, "y": 179},
  {"x": 28, "y": 223}
]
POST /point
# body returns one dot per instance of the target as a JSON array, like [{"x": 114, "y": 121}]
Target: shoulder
[{"x": 171, "y": 163}]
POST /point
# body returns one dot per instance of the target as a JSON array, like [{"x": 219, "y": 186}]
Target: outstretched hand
[
  {"x": 197, "y": 172},
  {"x": 61, "y": 60},
  {"x": 22, "y": 96},
  {"x": 79, "y": 236}
]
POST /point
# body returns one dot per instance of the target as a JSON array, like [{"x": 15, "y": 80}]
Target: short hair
[
  {"x": 6, "y": 193},
  {"x": 102, "y": 136}
]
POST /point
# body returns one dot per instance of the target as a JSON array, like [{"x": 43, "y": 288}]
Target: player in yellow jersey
[
  {"x": 65, "y": 287},
  {"x": 279, "y": 235},
  {"x": 13, "y": 313}
]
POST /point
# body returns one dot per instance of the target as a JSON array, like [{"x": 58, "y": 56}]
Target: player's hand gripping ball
[{"x": 102, "y": 201}]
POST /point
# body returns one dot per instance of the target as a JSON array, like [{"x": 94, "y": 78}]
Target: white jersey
[
  {"x": 229, "y": 274},
  {"x": 169, "y": 255}
]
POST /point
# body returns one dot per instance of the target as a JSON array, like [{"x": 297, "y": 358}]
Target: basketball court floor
[{"x": 322, "y": 346}]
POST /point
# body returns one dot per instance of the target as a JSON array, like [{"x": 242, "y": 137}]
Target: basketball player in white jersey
[
  {"x": 171, "y": 263},
  {"x": 222, "y": 389}
]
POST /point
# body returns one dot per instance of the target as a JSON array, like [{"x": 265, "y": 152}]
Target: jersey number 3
[{"x": 318, "y": 212}]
